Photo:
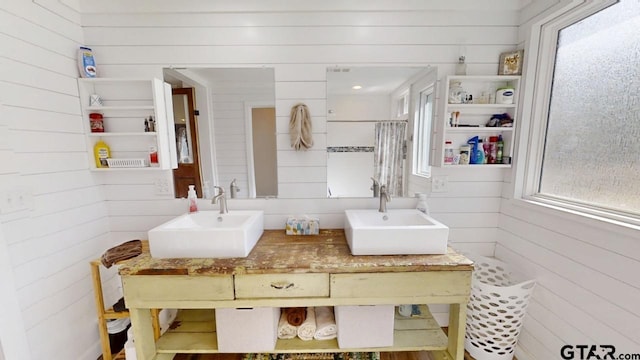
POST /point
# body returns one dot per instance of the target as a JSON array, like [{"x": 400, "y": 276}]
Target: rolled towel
[
  {"x": 123, "y": 251},
  {"x": 286, "y": 330},
  {"x": 307, "y": 330},
  {"x": 326, "y": 328},
  {"x": 296, "y": 315}
]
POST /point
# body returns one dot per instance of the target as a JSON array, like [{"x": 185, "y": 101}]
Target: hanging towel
[
  {"x": 325, "y": 323},
  {"x": 307, "y": 330},
  {"x": 300, "y": 127},
  {"x": 286, "y": 330}
]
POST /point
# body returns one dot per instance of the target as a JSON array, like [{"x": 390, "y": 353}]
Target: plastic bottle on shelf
[
  {"x": 499, "y": 149},
  {"x": 461, "y": 67},
  {"x": 86, "y": 63},
  {"x": 486, "y": 147},
  {"x": 192, "y": 198},
  {"x": 464, "y": 154},
  {"x": 457, "y": 94},
  {"x": 480, "y": 160},
  {"x": 101, "y": 152},
  {"x": 448, "y": 152},
  {"x": 493, "y": 149}
]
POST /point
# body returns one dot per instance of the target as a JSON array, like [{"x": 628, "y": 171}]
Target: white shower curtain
[{"x": 389, "y": 154}]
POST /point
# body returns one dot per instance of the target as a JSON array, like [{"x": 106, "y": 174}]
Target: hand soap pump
[
  {"x": 192, "y": 198},
  {"x": 422, "y": 205}
]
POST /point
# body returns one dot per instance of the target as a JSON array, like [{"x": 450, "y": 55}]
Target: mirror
[
  {"x": 236, "y": 128},
  {"x": 370, "y": 118},
  {"x": 378, "y": 115}
]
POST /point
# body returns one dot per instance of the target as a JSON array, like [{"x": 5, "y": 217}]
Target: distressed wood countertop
[{"x": 277, "y": 252}]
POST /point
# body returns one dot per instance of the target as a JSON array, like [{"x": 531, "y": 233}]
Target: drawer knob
[{"x": 282, "y": 285}]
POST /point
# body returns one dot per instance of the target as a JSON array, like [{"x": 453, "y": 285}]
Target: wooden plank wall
[
  {"x": 300, "y": 39},
  {"x": 587, "y": 290},
  {"x": 72, "y": 215},
  {"x": 57, "y": 221}
]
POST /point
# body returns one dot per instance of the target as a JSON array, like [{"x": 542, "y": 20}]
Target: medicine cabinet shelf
[
  {"x": 476, "y": 115},
  {"x": 481, "y": 106},
  {"x": 479, "y": 130},
  {"x": 120, "y": 108},
  {"x": 125, "y": 105},
  {"x": 109, "y": 134}
]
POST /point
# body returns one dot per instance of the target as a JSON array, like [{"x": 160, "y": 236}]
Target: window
[
  {"x": 402, "y": 105},
  {"x": 588, "y": 151},
  {"x": 422, "y": 133}
]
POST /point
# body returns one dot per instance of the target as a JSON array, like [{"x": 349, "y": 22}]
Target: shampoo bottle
[
  {"x": 86, "y": 63},
  {"x": 192, "y": 198}
]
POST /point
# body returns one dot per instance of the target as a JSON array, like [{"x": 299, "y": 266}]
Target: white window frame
[
  {"x": 422, "y": 138},
  {"x": 534, "y": 115}
]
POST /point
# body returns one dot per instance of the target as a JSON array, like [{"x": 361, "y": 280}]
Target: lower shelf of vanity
[{"x": 194, "y": 331}]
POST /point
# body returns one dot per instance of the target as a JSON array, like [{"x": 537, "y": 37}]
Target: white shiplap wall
[
  {"x": 72, "y": 212},
  {"x": 58, "y": 220},
  {"x": 587, "y": 289},
  {"x": 300, "y": 39}
]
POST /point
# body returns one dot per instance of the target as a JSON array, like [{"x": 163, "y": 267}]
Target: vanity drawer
[
  {"x": 407, "y": 284},
  {"x": 281, "y": 285},
  {"x": 158, "y": 288}
]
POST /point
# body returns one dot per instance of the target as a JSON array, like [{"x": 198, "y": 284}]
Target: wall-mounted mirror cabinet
[{"x": 229, "y": 133}]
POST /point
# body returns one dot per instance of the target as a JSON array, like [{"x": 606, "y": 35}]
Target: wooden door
[{"x": 188, "y": 171}]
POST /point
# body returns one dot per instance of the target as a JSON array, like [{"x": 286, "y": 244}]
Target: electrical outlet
[
  {"x": 162, "y": 186},
  {"x": 439, "y": 184},
  {"x": 16, "y": 200}
]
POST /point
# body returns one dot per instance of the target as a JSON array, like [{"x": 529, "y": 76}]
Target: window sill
[{"x": 618, "y": 223}]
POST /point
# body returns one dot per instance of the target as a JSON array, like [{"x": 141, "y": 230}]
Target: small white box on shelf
[
  {"x": 246, "y": 330},
  {"x": 365, "y": 326}
]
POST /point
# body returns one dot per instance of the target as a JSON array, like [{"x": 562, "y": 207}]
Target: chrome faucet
[
  {"x": 234, "y": 189},
  {"x": 375, "y": 187},
  {"x": 223, "y": 200},
  {"x": 384, "y": 198}
]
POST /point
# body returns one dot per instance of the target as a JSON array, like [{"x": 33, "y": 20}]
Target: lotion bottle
[
  {"x": 192, "y": 198},
  {"x": 101, "y": 153}
]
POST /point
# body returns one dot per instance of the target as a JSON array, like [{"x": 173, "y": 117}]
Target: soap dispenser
[
  {"x": 422, "y": 205},
  {"x": 192, "y": 198}
]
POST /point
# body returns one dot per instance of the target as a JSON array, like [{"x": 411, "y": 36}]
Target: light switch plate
[
  {"x": 162, "y": 186},
  {"x": 439, "y": 184}
]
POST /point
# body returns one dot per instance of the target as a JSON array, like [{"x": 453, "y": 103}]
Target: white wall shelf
[
  {"x": 476, "y": 115},
  {"x": 126, "y": 103}
]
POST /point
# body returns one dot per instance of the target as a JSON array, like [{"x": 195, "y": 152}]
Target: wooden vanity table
[{"x": 291, "y": 271}]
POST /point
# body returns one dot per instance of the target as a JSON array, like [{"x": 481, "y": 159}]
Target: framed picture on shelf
[{"x": 511, "y": 63}]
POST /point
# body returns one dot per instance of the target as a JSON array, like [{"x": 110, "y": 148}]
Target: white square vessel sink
[
  {"x": 207, "y": 234},
  {"x": 396, "y": 232}
]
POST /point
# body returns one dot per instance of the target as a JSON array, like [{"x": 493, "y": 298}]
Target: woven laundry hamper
[{"x": 496, "y": 308}]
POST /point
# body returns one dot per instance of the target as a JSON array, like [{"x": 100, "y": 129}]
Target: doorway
[
  {"x": 263, "y": 167},
  {"x": 186, "y": 127}
]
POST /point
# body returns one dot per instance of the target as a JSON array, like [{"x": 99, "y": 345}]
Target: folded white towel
[
  {"x": 326, "y": 328},
  {"x": 307, "y": 330},
  {"x": 286, "y": 330}
]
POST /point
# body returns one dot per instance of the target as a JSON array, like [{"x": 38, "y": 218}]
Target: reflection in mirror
[
  {"x": 236, "y": 135},
  {"x": 371, "y": 115},
  {"x": 188, "y": 171}
]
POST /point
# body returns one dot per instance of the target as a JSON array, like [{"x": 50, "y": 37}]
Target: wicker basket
[
  {"x": 127, "y": 163},
  {"x": 498, "y": 303}
]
